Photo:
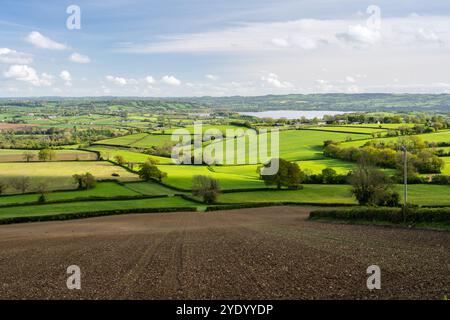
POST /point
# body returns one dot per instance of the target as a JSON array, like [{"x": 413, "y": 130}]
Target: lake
[{"x": 292, "y": 114}]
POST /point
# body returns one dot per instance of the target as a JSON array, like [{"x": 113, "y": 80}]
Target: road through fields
[{"x": 263, "y": 253}]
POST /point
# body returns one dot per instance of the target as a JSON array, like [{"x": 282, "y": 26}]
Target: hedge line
[
  {"x": 393, "y": 215},
  {"x": 222, "y": 206},
  {"x": 79, "y": 199},
  {"x": 90, "y": 214}
]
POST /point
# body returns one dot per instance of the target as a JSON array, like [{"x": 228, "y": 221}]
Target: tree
[
  {"x": 42, "y": 188},
  {"x": 28, "y": 156},
  {"x": 288, "y": 174},
  {"x": 120, "y": 160},
  {"x": 20, "y": 183},
  {"x": 371, "y": 186},
  {"x": 206, "y": 187},
  {"x": 329, "y": 176},
  {"x": 149, "y": 171},
  {"x": 85, "y": 181},
  {"x": 46, "y": 154}
]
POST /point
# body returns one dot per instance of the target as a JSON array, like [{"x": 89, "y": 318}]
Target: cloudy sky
[{"x": 223, "y": 47}]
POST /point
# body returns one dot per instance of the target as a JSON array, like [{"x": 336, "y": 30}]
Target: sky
[{"x": 223, "y": 47}]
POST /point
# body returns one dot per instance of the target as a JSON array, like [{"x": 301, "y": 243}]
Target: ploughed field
[{"x": 249, "y": 253}]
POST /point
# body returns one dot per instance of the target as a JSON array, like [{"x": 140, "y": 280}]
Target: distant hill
[{"x": 334, "y": 102}]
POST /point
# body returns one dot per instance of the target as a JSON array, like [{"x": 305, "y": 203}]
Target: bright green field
[
  {"x": 309, "y": 194},
  {"x": 149, "y": 188},
  {"x": 308, "y": 166},
  {"x": 349, "y": 129},
  {"x": 293, "y": 145},
  {"x": 92, "y": 206},
  {"x": 151, "y": 140},
  {"x": 129, "y": 156},
  {"x": 58, "y": 175},
  {"x": 103, "y": 189},
  {"x": 446, "y": 169},
  {"x": 125, "y": 140},
  {"x": 139, "y": 140},
  {"x": 383, "y": 125},
  {"x": 221, "y": 127},
  {"x": 181, "y": 176},
  {"x": 443, "y": 136},
  {"x": 340, "y": 194}
]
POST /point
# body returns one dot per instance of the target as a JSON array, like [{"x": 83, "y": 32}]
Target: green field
[
  {"x": 349, "y": 129},
  {"x": 294, "y": 145},
  {"x": 149, "y": 188},
  {"x": 446, "y": 169},
  {"x": 139, "y": 140},
  {"x": 101, "y": 190},
  {"x": 338, "y": 194},
  {"x": 58, "y": 175},
  {"x": 129, "y": 155},
  {"x": 15, "y": 155},
  {"x": 220, "y": 127},
  {"x": 123, "y": 141},
  {"x": 442, "y": 136},
  {"x": 381, "y": 125},
  {"x": 92, "y": 206},
  {"x": 181, "y": 176}
]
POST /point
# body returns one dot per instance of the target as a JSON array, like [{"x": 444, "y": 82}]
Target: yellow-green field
[{"x": 58, "y": 175}]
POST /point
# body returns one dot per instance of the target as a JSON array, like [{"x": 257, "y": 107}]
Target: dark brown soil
[{"x": 264, "y": 253}]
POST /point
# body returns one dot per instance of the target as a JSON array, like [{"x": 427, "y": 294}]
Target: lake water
[{"x": 292, "y": 114}]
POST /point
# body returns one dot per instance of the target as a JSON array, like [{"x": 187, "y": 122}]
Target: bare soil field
[
  {"x": 264, "y": 253},
  {"x": 16, "y": 126}
]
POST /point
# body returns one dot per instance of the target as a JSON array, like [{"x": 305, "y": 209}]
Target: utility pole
[{"x": 405, "y": 176}]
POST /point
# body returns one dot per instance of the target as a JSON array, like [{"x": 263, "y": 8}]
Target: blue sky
[{"x": 185, "y": 48}]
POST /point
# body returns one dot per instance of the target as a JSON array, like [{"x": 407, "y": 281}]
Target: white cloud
[
  {"x": 14, "y": 57},
  {"x": 66, "y": 77},
  {"x": 150, "y": 80},
  {"x": 79, "y": 58},
  {"x": 211, "y": 77},
  {"x": 350, "y": 79},
  {"x": 28, "y": 74},
  {"x": 273, "y": 80},
  {"x": 171, "y": 80},
  {"x": 358, "y": 34},
  {"x": 280, "y": 42},
  {"x": 39, "y": 40},
  {"x": 117, "y": 80}
]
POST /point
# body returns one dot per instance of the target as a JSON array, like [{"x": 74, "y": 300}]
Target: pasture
[
  {"x": 294, "y": 145},
  {"x": 108, "y": 153},
  {"x": 441, "y": 136},
  {"x": 101, "y": 190},
  {"x": 349, "y": 129},
  {"x": 180, "y": 176},
  {"x": 418, "y": 194},
  {"x": 92, "y": 206},
  {"x": 58, "y": 175}
]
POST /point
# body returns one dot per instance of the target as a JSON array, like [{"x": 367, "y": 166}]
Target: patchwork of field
[
  {"x": 446, "y": 169},
  {"x": 58, "y": 175},
  {"x": 15, "y": 155},
  {"x": 263, "y": 253}
]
